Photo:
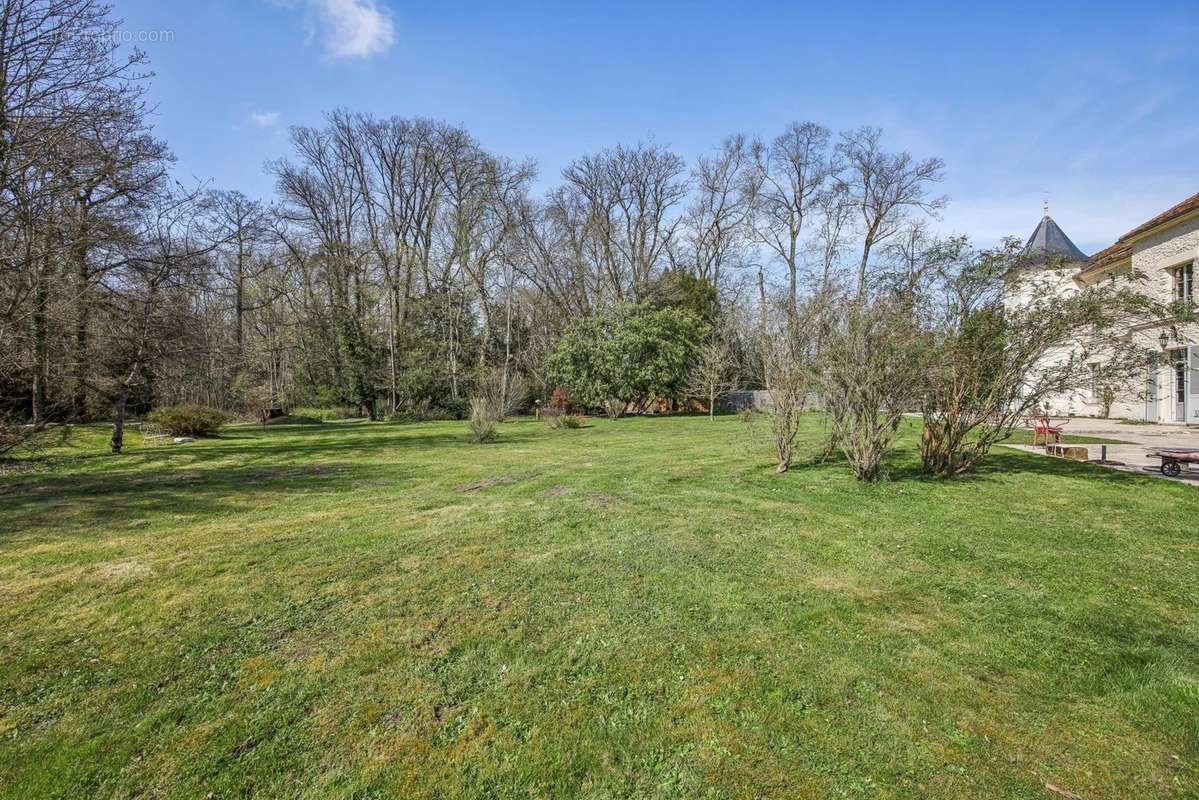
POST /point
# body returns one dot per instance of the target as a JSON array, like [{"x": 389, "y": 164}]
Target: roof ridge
[{"x": 1122, "y": 247}]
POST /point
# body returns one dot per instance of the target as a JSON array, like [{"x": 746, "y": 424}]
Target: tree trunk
[
  {"x": 867, "y": 245},
  {"x": 507, "y": 343},
  {"x": 82, "y": 319},
  {"x": 41, "y": 351},
  {"x": 118, "y": 425},
  {"x": 240, "y": 302},
  {"x": 765, "y": 329}
]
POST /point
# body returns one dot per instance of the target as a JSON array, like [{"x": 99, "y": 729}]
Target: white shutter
[
  {"x": 1151, "y": 391},
  {"x": 1192, "y": 398}
]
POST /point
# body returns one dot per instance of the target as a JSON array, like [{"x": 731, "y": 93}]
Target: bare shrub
[
  {"x": 501, "y": 392},
  {"x": 872, "y": 374},
  {"x": 792, "y": 366},
  {"x": 482, "y": 423},
  {"x": 788, "y": 392},
  {"x": 714, "y": 372},
  {"x": 990, "y": 367}
]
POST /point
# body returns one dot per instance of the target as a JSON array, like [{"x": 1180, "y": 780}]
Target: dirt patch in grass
[
  {"x": 18, "y": 466},
  {"x": 475, "y": 486},
  {"x": 604, "y": 499},
  {"x": 131, "y": 569},
  {"x": 841, "y": 583},
  {"x": 290, "y": 472},
  {"x": 555, "y": 491}
]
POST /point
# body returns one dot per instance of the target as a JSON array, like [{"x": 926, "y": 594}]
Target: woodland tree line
[{"x": 402, "y": 269}]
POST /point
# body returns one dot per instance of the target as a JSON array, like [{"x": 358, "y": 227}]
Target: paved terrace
[{"x": 1138, "y": 441}]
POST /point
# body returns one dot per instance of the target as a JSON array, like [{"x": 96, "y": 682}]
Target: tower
[{"x": 1049, "y": 240}]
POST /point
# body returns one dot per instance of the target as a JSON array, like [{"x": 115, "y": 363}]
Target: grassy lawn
[{"x": 636, "y": 609}]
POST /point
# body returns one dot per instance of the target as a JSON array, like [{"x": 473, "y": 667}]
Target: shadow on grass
[
  {"x": 1006, "y": 463},
  {"x": 224, "y": 476},
  {"x": 98, "y": 499},
  {"x": 905, "y": 466},
  {"x": 285, "y": 444}
]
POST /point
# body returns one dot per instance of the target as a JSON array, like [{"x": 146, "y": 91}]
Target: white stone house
[{"x": 1164, "y": 255}]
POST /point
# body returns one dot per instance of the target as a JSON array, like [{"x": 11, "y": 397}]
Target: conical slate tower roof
[{"x": 1050, "y": 240}]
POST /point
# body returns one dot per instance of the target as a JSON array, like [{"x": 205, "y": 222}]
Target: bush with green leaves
[
  {"x": 622, "y": 358},
  {"x": 327, "y": 414},
  {"x": 556, "y": 421},
  {"x": 188, "y": 420}
]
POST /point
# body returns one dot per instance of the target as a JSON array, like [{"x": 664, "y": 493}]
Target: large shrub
[
  {"x": 187, "y": 420},
  {"x": 623, "y": 358}
]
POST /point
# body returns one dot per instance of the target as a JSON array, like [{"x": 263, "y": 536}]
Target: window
[{"x": 1184, "y": 281}]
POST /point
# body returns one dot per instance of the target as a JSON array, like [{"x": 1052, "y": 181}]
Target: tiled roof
[
  {"x": 1109, "y": 255},
  {"x": 1123, "y": 248},
  {"x": 1190, "y": 204}
]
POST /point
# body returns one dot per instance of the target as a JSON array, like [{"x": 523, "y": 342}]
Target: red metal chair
[{"x": 1042, "y": 429}]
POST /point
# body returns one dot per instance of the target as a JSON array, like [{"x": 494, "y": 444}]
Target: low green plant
[
  {"x": 327, "y": 414},
  {"x": 557, "y": 421},
  {"x": 293, "y": 419},
  {"x": 188, "y": 420}
]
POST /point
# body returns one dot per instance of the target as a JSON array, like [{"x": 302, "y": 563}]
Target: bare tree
[
  {"x": 146, "y": 299},
  {"x": 714, "y": 373},
  {"x": 883, "y": 188},
  {"x": 65, "y": 89},
  {"x": 787, "y": 177},
  {"x": 321, "y": 198},
  {"x": 793, "y": 363},
  {"x": 241, "y": 226},
  {"x": 872, "y": 369},
  {"x": 717, "y": 229},
  {"x": 829, "y": 243},
  {"x": 626, "y": 198},
  {"x": 399, "y": 173}
]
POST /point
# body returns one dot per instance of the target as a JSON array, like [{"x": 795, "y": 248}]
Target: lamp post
[{"x": 1164, "y": 339}]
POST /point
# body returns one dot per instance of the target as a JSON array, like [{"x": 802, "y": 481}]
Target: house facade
[{"x": 1159, "y": 258}]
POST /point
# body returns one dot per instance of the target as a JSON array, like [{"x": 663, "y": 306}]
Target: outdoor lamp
[{"x": 1164, "y": 339}]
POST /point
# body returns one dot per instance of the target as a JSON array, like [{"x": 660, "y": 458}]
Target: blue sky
[{"x": 1096, "y": 104}]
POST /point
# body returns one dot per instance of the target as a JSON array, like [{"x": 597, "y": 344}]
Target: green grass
[{"x": 639, "y": 608}]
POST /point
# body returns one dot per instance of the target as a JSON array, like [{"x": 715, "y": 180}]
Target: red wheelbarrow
[{"x": 1172, "y": 460}]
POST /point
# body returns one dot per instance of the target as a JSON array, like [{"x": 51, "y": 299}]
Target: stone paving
[{"x": 1137, "y": 441}]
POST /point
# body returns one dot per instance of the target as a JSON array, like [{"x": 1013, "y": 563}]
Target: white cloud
[
  {"x": 264, "y": 119},
  {"x": 350, "y": 28}
]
